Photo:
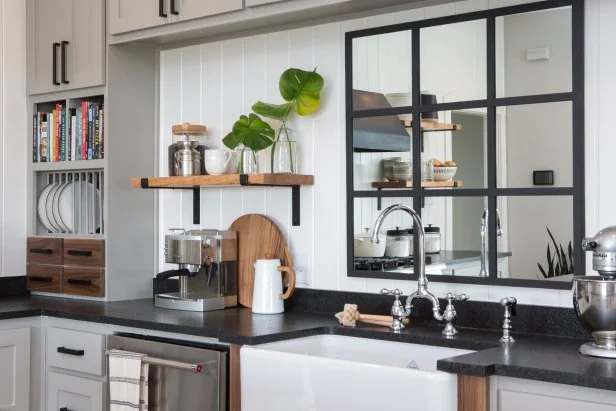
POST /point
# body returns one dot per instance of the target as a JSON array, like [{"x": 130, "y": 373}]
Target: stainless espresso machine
[{"x": 207, "y": 271}]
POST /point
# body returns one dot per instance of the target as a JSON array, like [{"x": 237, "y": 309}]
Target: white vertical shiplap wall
[
  {"x": 214, "y": 82},
  {"x": 13, "y": 138}
]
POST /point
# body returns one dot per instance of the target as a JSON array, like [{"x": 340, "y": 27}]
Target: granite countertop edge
[{"x": 489, "y": 358}]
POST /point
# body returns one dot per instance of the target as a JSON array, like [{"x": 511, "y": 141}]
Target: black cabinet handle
[
  {"x": 161, "y": 9},
  {"x": 63, "y": 45},
  {"x": 79, "y": 253},
  {"x": 64, "y": 409},
  {"x": 70, "y": 351},
  {"x": 76, "y": 281},
  {"x": 41, "y": 251},
  {"x": 40, "y": 279},
  {"x": 54, "y": 64},
  {"x": 173, "y": 11}
]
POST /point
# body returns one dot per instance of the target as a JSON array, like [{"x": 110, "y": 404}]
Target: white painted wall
[
  {"x": 13, "y": 137},
  {"x": 213, "y": 83}
]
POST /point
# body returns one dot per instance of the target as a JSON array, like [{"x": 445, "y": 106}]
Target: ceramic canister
[{"x": 267, "y": 295}]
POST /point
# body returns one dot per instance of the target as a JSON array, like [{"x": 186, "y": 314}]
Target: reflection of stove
[{"x": 385, "y": 263}]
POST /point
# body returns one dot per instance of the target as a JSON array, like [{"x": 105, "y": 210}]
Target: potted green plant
[
  {"x": 558, "y": 263},
  {"x": 249, "y": 135},
  {"x": 301, "y": 91}
]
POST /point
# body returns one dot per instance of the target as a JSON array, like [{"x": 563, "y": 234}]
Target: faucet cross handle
[
  {"x": 398, "y": 312},
  {"x": 510, "y": 304},
  {"x": 450, "y": 313}
]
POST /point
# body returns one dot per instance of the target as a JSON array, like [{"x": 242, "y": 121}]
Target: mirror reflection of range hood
[{"x": 377, "y": 134}]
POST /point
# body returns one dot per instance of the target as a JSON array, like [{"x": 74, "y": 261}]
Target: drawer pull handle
[
  {"x": 76, "y": 281},
  {"x": 64, "y": 409},
  {"x": 79, "y": 253},
  {"x": 41, "y": 251},
  {"x": 70, "y": 351},
  {"x": 40, "y": 279}
]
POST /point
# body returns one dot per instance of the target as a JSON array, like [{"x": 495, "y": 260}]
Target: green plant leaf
[
  {"x": 253, "y": 132},
  {"x": 302, "y": 88},
  {"x": 570, "y": 252},
  {"x": 565, "y": 265},
  {"x": 550, "y": 263},
  {"x": 542, "y": 270},
  {"x": 231, "y": 141},
  {"x": 555, "y": 246},
  {"x": 273, "y": 111}
]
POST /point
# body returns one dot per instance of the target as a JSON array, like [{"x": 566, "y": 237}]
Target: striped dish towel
[{"x": 128, "y": 381}]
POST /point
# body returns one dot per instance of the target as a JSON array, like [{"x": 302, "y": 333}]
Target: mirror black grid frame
[{"x": 576, "y": 97}]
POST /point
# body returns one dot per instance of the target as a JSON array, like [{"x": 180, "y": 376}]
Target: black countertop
[
  {"x": 449, "y": 257},
  {"x": 533, "y": 357}
]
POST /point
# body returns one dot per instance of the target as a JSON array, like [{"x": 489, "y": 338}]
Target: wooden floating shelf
[
  {"x": 433, "y": 126},
  {"x": 266, "y": 179},
  {"x": 409, "y": 184}
]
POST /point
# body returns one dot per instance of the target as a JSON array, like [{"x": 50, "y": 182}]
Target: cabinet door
[
  {"x": 15, "y": 370},
  {"x": 73, "y": 393},
  {"x": 85, "y": 51},
  {"x": 131, "y": 15},
  {"x": 193, "y": 9},
  {"x": 40, "y": 43}
]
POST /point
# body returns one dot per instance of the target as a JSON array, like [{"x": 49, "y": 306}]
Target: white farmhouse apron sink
[{"x": 332, "y": 372}]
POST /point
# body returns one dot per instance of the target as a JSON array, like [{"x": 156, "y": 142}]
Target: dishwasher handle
[{"x": 184, "y": 366}]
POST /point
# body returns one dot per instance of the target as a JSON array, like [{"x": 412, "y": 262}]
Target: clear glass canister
[
  {"x": 432, "y": 239},
  {"x": 398, "y": 243}
]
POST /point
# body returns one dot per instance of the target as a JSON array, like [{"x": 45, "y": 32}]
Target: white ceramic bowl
[
  {"x": 444, "y": 173},
  {"x": 364, "y": 247}
]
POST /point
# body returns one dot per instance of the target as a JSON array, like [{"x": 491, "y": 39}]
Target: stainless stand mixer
[
  {"x": 594, "y": 297},
  {"x": 207, "y": 270}
]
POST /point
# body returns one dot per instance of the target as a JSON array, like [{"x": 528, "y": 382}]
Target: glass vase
[
  {"x": 284, "y": 156},
  {"x": 247, "y": 162}
]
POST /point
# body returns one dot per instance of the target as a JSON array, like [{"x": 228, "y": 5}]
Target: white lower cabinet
[
  {"x": 514, "y": 394},
  {"x": 15, "y": 369},
  {"x": 70, "y": 393}
]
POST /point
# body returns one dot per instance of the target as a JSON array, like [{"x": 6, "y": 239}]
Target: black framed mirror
[{"x": 476, "y": 121}]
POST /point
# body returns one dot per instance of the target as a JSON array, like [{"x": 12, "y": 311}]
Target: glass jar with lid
[
  {"x": 432, "y": 239},
  {"x": 398, "y": 243}
]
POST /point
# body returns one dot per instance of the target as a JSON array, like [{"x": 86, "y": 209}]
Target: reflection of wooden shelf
[
  {"x": 409, "y": 184},
  {"x": 427, "y": 126},
  {"x": 223, "y": 180}
]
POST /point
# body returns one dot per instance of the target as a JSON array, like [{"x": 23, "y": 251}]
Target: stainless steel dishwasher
[{"x": 183, "y": 375}]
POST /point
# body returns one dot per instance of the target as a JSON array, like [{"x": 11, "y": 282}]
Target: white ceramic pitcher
[{"x": 267, "y": 297}]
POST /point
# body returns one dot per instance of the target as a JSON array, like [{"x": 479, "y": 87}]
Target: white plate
[
  {"x": 49, "y": 207},
  {"x": 79, "y": 207},
  {"x": 54, "y": 206},
  {"x": 42, "y": 210}
]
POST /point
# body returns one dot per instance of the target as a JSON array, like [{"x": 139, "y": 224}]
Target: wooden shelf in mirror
[
  {"x": 266, "y": 179},
  {"x": 427, "y": 126},
  {"x": 409, "y": 184}
]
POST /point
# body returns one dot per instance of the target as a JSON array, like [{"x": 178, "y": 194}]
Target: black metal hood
[{"x": 377, "y": 134}]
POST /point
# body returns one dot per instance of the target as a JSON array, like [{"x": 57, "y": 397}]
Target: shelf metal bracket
[
  {"x": 295, "y": 198},
  {"x": 196, "y": 198}
]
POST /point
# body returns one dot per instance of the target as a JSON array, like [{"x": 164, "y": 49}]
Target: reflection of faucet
[
  {"x": 419, "y": 266},
  {"x": 484, "y": 239}
]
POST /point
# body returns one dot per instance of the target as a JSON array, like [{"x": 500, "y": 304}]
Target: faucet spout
[{"x": 419, "y": 261}]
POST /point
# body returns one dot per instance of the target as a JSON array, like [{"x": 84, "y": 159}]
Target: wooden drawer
[
  {"x": 47, "y": 278},
  {"x": 44, "y": 250},
  {"x": 83, "y": 281},
  {"x": 66, "y": 392},
  {"x": 84, "y": 252},
  {"x": 75, "y": 350}
]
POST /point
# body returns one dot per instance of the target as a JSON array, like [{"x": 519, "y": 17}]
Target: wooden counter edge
[
  {"x": 235, "y": 403},
  {"x": 473, "y": 393}
]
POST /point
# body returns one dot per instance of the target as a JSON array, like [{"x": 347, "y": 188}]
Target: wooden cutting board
[{"x": 257, "y": 236}]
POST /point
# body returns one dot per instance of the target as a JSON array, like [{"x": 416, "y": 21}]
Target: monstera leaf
[
  {"x": 250, "y": 131},
  {"x": 300, "y": 89}
]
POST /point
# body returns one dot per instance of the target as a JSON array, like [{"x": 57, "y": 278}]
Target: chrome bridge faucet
[
  {"x": 483, "y": 272},
  {"x": 419, "y": 266}
]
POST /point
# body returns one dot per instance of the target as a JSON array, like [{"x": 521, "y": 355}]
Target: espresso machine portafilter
[{"x": 207, "y": 270}]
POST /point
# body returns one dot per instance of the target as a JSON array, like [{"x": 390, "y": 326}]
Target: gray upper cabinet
[
  {"x": 132, "y": 15},
  {"x": 66, "y": 44}
]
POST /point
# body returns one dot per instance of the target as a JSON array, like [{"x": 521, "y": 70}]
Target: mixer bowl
[{"x": 594, "y": 300}]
